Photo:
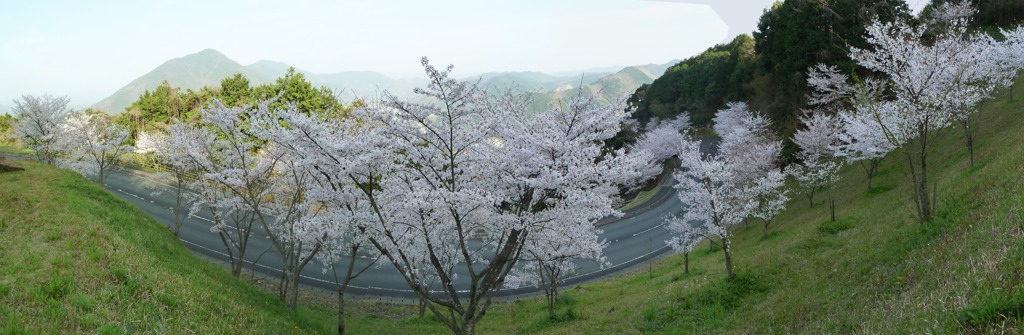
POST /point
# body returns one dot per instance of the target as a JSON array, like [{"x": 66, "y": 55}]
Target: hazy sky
[{"x": 89, "y": 50}]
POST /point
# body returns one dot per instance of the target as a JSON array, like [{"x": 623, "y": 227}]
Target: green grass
[
  {"x": 75, "y": 259},
  {"x": 8, "y": 149},
  {"x": 641, "y": 198},
  {"x": 874, "y": 270}
]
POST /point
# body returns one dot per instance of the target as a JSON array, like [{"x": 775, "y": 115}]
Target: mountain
[
  {"x": 270, "y": 69},
  {"x": 351, "y": 85},
  {"x": 204, "y": 68},
  {"x": 209, "y": 67},
  {"x": 606, "y": 86}
]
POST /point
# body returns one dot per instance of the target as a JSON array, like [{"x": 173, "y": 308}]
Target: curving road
[{"x": 636, "y": 237}]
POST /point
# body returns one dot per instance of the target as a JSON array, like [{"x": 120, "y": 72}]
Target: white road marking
[{"x": 650, "y": 229}]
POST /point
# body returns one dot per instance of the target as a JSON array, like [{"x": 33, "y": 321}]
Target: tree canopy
[
  {"x": 155, "y": 110},
  {"x": 767, "y": 69}
]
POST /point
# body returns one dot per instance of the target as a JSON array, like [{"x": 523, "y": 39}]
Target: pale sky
[{"x": 89, "y": 50}]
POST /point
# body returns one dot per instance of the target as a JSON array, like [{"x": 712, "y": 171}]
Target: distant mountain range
[{"x": 209, "y": 67}]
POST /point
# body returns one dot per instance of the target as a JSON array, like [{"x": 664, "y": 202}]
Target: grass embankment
[
  {"x": 76, "y": 259},
  {"x": 874, "y": 270},
  {"x": 10, "y": 149},
  {"x": 84, "y": 260}
]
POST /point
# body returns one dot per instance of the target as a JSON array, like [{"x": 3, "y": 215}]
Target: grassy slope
[
  {"x": 873, "y": 271},
  {"x": 74, "y": 258}
]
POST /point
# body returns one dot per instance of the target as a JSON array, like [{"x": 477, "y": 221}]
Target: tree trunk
[
  {"x": 968, "y": 138},
  {"x": 869, "y": 168},
  {"x": 686, "y": 263},
  {"x": 423, "y": 306},
  {"x": 873, "y": 168},
  {"x": 832, "y": 208},
  {"x": 343, "y": 286},
  {"x": 810, "y": 198},
  {"x": 764, "y": 234},
  {"x": 236, "y": 268},
  {"x": 282, "y": 284},
  {"x": 926, "y": 210},
  {"x": 341, "y": 311},
  {"x": 728, "y": 259},
  {"x": 295, "y": 292}
]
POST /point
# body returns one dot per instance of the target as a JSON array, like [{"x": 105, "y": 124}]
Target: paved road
[{"x": 639, "y": 236}]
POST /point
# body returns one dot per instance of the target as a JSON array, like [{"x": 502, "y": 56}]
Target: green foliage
[
  {"x": 834, "y": 227},
  {"x": 143, "y": 281},
  {"x": 155, "y": 110},
  {"x": 293, "y": 88},
  {"x": 797, "y": 34},
  {"x": 767, "y": 70},
  {"x": 699, "y": 85},
  {"x": 235, "y": 91},
  {"x": 7, "y": 129}
]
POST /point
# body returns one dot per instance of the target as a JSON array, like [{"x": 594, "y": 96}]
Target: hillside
[
  {"x": 204, "y": 68},
  {"x": 606, "y": 86},
  {"x": 77, "y": 259},
  {"x": 81, "y": 256},
  {"x": 875, "y": 270}
]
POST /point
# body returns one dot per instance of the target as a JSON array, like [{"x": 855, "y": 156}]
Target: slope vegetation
[
  {"x": 77, "y": 259},
  {"x": 873, "y": 270},
  {"x": 74, "y": 258}
]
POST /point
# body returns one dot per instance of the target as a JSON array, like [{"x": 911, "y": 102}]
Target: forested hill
[{"x": 767, "y": 68}]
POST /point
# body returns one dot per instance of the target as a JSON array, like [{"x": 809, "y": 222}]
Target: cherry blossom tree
[
  {"x": 661, "y": 141},
  {"x": 932, "y": 78},
  {"x": 170, "y": 152},
  {"x": 732, "y": 118},
  {"x": 93, "y": 144},
  {"x": 549, "y": 258},
  {"x": 257, "y": 184},
  {"x": 204, "y": 154},
  {"x": 550, "y": 146},
  {"x": 341, "y": 156},
  {"x": 709, "y": 194},
  {"x": 148, "y": 143},
  {"x": 719, "y": 191},
  {"x": 688, "y": 236},
  {"x": 39, "y": 124},
  {"x": 818, "y": 168},
  {"x": 747, "y": 141},
  {"x": 297, "y": 228},
  {"x": 754, "y": 151},
  {"x": 456, "y": 180},
  {"x": 861, "y": 139},
  {"x": 232, "y": 176},
  {"x": 770, "y": 196}
]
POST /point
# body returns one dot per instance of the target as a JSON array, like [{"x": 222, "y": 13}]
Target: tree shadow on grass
[{"x": 7, "y": 165}]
